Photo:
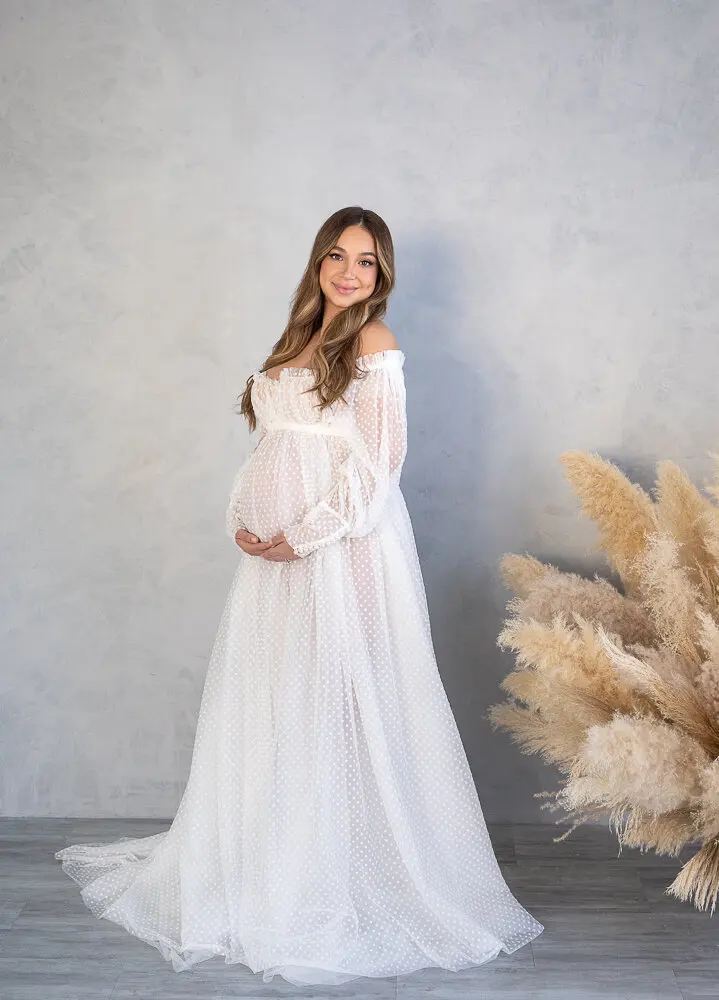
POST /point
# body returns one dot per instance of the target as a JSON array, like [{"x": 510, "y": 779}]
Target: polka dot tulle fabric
[{"x": 330, "y": 827}]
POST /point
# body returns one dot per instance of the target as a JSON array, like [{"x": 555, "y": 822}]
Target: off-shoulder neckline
[{"x": 376, "y": 356}]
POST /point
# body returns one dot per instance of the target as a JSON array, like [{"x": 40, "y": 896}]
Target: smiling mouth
[{"x": 344, "y": 289}]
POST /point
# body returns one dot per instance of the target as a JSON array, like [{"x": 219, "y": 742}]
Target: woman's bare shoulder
[{"x": 377, "y": 336}]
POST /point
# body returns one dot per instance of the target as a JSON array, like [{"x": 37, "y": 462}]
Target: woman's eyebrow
[{"x": 366, "y": 253}]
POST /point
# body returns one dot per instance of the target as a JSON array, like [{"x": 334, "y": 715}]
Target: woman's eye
[{"x": 338, "y": 256}]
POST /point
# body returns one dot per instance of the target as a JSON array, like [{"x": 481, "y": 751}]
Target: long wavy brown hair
[{"x": 336, "y": 354}]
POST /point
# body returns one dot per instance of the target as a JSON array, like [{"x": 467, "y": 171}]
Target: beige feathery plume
[
  {"x": 707, "y": 679},
  {"x": 698, "y": 881},
  {"x": 635, "y": 762},
  {"x": 663, "y": 660},
  {"x": 706, "y": 812},
  {"x": 708, "y": 635},
  {"x": 623, "y": 511},
  {"x": 668, "y": 833},
  {"x": 710, "y": 528},
  {"x": 709, "y": 574},
  {"x": 685, "y": 514},
  {"x": 707, "y": 684},
  {"x": 555, "y": 744},
  {"x": 677, "y": 700},
  {"x": 521, "y": 573},
  {"x": 554, "y": 591},
  {"x": 569, "y": 655},
  {"x": 670, "y": 598},
  {"x": 566, "y": 709}
]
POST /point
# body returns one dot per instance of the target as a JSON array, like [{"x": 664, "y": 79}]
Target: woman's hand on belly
[
  {"x": 280, "y": 550},
  {"x": 250, "y": 543}
]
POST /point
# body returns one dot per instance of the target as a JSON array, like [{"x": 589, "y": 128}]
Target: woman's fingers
[
  {"x": 280, "y": 551},
  {"x": 275, "y": 550},
  {"x": 250, "y": 543},
  {"x": 246, "y": 536}
]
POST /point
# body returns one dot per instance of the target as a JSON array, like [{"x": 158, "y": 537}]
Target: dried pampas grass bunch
[{"x": 621, "y": 690}]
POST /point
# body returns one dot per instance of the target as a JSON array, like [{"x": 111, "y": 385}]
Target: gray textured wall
[{"x": 549, "y": 172}]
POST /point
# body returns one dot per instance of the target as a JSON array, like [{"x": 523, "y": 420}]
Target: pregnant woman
[{"x": 330, "y": 827}]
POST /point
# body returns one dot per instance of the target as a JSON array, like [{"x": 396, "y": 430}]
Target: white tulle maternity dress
[{"x": 330, "y": 827}]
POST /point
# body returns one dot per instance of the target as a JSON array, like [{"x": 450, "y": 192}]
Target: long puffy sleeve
[
  {"x": 355, "y": 503},
  {"x": 232, "y": 518}
]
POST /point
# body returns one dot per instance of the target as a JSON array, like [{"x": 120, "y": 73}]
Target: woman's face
[{"x": 348, "y": 273}]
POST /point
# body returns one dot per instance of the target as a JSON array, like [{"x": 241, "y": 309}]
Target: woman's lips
[{"x": 345, "y": 291}]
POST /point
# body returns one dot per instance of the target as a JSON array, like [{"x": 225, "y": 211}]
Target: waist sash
[{"x": 318, "y": 428}]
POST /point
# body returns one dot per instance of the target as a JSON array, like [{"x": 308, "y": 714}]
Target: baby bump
[{"x": 287, "y": 474}]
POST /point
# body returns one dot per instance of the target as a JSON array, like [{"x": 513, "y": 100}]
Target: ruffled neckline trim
[
  {"x": 378, "y": 358},
  {"x": 366, "y": 361}
]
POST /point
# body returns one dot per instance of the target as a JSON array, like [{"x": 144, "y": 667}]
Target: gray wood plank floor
[{"x": 610, "y": 929}]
